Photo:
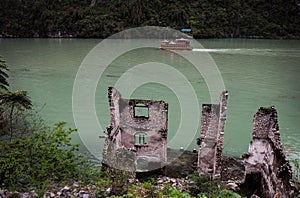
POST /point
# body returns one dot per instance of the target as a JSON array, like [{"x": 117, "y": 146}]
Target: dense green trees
[
  {"x": 39, "y": 159},
  {"x": 207, "y": 18}
]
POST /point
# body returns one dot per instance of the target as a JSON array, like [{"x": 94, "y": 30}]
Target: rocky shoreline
[{"x": 177, "y": 174}]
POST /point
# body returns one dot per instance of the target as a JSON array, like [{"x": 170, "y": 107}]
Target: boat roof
[{"x": 183, "y": 39}]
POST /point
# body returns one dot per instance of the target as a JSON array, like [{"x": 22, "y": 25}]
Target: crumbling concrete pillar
[
  {"x": 211, "y": 137},
  {"x": 265, "y": 161}
]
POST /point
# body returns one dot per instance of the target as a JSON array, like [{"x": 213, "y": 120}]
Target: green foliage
[
  {"x": 204, "y": 187},
  {"x": 22, "y": 122},
  {"x": 103, "y": 183},
  {"x": 3, "y": 75},
  {"x": 170, "y": 191},
  {"x": 15, "y": 120},
  {"x": 222, "y": 194},
  {"x": 17, "y": 99},
  {"x": 33, "y": 156},
  {"x": 89, "y": 172},
  {"x": 228, "y": 193},
  {"x": 77, "y": 18},
  {"x": 204, "y": 184},
  {"x": 9, "y": 101},
  {"x": 151, "y": 189},
  {"x": 147, "y": 189},
  {"x": 296, "y": 163},
  {"x": 120, "y": 168},
  {"x": 38, "y": 160}
]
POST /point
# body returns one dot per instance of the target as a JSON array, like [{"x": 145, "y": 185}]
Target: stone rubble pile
[
  {"x": 179, "y": 183},
  {"x": 74, "y": 191},
  {"x": 91, "y": 191},
  {"x": 6, "y": 194}
]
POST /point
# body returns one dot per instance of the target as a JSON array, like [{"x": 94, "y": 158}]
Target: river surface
[{"x": 255, "y": 72}]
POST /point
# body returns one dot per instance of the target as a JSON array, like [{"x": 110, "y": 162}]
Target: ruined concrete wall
[
  {"x": 208, "y": 139},
  {"x": 266, "y": 159},
  {"x": 113, "y": 138},
  {"x": 113, "y": 99},
  {"x": 153, "y": 126},
  {"x": 220, "y": 134},
  {"x": 211, "y": 137},
  {"x": 139, "y": 126}
]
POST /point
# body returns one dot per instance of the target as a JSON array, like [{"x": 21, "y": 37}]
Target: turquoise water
[{"x": 255, "y": 72}]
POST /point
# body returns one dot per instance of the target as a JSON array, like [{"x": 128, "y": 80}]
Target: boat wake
[{"x": 252, "y": 51}]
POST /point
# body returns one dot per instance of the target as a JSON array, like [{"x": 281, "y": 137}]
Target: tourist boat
[{"x": 178, "y": 44}]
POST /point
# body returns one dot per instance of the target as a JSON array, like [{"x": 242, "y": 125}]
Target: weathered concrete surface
[
  {"x": 267, "y": 168},
  {"x": 181, "y": 163},
  {"x": 233, "y": 171},
  {"x": 139, "y": 127},
  {"x": 211, "y": 137}
]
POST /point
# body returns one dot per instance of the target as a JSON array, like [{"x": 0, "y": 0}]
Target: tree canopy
[{"x": 102, "y": 18}]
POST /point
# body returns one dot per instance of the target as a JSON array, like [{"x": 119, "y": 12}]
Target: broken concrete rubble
[
  {"x": 211, "y": 137},
  {"x": 266, "y": 166}
]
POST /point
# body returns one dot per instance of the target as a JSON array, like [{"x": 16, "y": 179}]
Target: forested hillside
[{"x": 102, "y": 18}]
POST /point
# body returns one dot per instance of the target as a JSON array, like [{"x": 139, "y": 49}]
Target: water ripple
[{"x": 253, "y": 51}]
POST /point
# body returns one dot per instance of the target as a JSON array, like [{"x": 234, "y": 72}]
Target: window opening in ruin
[
  {"x": 140, "y": 139},
  {"x": 141, "y": 111}
]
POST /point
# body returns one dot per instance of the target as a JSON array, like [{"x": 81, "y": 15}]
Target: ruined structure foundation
[
  {"x": 211, "y": 137},
  {"x": 138, "y": 130},
  {"x": 266, "y": 165}
]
